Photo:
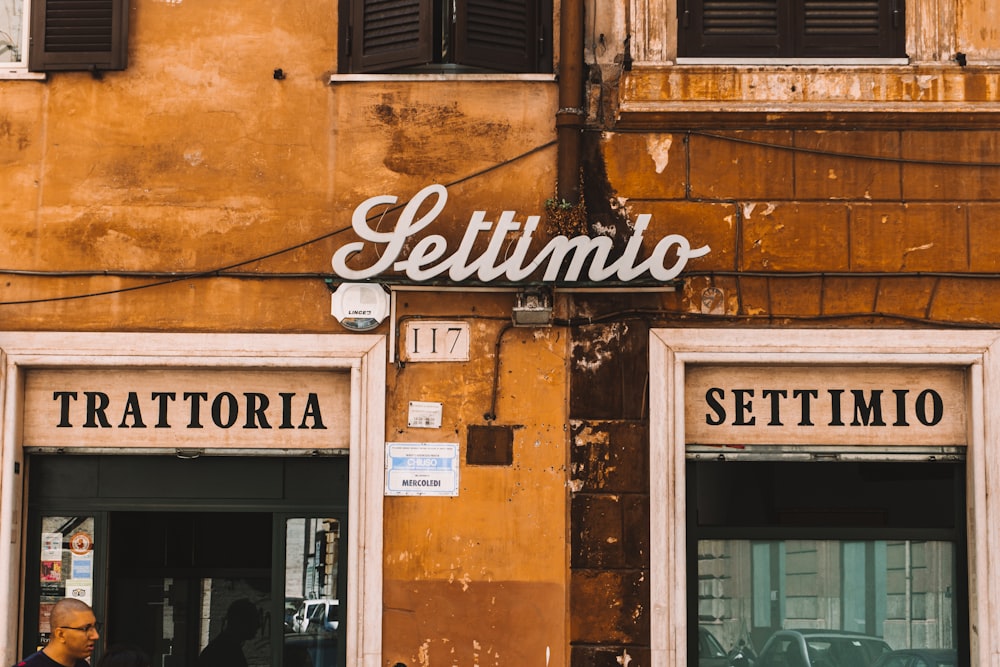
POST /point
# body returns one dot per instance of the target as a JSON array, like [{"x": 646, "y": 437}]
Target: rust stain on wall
[{"x": 430, "y": 137}]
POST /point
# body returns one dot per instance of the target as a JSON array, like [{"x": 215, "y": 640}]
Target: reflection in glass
[
  {"x": 312, "y": 608},
  {"x": 236, "y": 626},
  {"x": 11, "y": 21},
  {"x": 899, "y": 592}
]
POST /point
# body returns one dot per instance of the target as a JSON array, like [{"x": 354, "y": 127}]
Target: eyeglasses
[{"x": 96, "y": 627}]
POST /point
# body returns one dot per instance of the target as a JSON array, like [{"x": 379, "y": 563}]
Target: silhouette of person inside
[{"x": 226, "y": 650}]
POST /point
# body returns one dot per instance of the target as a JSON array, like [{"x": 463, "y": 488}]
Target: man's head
[{"x": 74, "y": 631}]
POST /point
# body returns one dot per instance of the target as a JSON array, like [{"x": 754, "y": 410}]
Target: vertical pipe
[{"x": 570, "y": 116}]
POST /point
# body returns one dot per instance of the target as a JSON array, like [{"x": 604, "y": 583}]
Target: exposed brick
[
  {"x": 795, "y": 237},
  {"x": 984, "y": 229},
  {"x": 702, "y": 223},
  {"x": 754, "y": 296},
  {"x": 909, "y": 296},
  {"x": 967, "y": 300},
  {"x": 598, "y": 536},
  {"x": 722, "y": 169},
  {"x": 610, "y": 456},
  {"x": 608, "y": 369},
  {"x": 843, "y": 296},
  {"x": 828, "y": 173},
  {"x": 909, "y": 237},
  {"x": 609, "y": 607},
  {"x": 797, "y": 296},
  {"x": 635, "y": 527},
  {"x": 653, "y": 165},
  {"x": 614, "y": 656},
  {"x": 953, "y": 183}
]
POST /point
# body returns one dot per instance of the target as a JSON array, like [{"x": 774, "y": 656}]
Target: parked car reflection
[
  {"x": 710, "y": 651},
  {"x": 317, "y": 616},
  {"x": 821, "y": 648},
  {"x": 919, "y": 657}
]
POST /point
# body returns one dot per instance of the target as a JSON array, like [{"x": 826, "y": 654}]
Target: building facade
[{"x": 501, "y": 333}]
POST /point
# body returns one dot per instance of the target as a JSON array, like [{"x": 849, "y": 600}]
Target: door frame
[
  {"x": 976, "y": 353},
  {"x": 364, "y": 356}
]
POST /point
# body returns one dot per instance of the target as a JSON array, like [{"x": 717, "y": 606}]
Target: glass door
[{"x": 220, "y": 562}]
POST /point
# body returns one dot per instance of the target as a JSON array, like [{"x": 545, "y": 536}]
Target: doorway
[
  {"x": 214, "y": 562},
  {"x": 183, "y": 579}
]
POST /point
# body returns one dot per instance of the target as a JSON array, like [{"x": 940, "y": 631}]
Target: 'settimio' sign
[{"x": 562, "y": 258}]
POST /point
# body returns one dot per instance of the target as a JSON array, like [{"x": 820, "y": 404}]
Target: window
[
  {"x": 809, "y": 564},
  {"x": 791, "y": 28},
  {"x": 13, "y": 33},
  {"x": 52, "y": 35},
  {"x": 445, "y": 35}
]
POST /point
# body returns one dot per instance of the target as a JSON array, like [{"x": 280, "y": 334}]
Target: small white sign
[
  {"x": 435, "y": 340},
  {"x": 424, "y": 414},
  {"x": 421, "y": 469},
  {"x": 80, "y": 589}
]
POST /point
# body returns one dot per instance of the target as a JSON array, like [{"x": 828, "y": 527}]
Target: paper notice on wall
[
  {"x": 82, "y": 567},
  {"x": 52, "y": 546},
  {"x": 80, "y": 589},
  {"x": 45, "y": 616},
  {"x": 51, "y": 571}
]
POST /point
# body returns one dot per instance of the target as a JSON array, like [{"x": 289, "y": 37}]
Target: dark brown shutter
[
  {"x": 499, "y": 34},
  {"x": 732, "y": 28},
  {"x": 78, "y": 35},
  {"x": 791, "y": 28},
  {"x": 389, "y": 34},
  {"x": 849, "y": 28}
]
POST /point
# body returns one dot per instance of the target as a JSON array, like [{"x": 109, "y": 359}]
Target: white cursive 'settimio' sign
[{"x": 429, "y": 256}]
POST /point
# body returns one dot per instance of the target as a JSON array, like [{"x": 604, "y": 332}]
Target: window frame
[
  {"x": 18, "y": 69},
  {"x": 363, "y": 355},
  {"x": 976, "y": 353}
]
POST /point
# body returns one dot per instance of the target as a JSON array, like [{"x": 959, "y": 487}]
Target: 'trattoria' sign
[
  {"x": 151, "y": 408},
  {"x": 561, "y": 259}
]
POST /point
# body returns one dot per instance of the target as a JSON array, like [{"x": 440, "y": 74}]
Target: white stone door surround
[
  {"x": 364, "y": 356},
  {"x": 672, "y": 350}
]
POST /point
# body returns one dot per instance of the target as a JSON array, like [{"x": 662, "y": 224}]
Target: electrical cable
[
  {"x": 166, "y": 278},
  {"x": 221, "y": 271},
  {"x": 854, "y": 156}
]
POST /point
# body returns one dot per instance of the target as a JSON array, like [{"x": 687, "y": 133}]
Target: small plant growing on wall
[{"x": 565, "y": 217}]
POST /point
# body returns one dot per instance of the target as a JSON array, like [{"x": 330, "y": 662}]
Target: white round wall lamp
[{"x": 360, "y": 306}]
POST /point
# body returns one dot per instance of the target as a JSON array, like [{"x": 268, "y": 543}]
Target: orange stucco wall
[{"x": 196, "y": 158}]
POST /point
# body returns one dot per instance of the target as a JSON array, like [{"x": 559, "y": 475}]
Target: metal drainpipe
[{"x": 569, "y": 118}]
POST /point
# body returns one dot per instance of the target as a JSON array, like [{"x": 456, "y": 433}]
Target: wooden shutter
[
  {"x": 503, "y": 35},
  {"x": 78, "y": 35},
  {"x": 850, "y": 28},
  {"x": 791, "y": 28},
  {"x": 732, "y": 28},
  {"x": 389, "y": 34}
]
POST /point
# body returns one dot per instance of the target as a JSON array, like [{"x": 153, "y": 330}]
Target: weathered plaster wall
[
  {"x": 900, "y": 238},
  {"x": 480, "y": 579},
  {"x": 197, "y": 159}
]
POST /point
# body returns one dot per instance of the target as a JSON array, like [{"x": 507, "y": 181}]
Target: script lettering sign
[{"x": 562, "y": 258}]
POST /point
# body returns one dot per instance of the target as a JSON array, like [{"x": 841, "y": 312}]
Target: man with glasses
[{"x": 74, "y": 629}]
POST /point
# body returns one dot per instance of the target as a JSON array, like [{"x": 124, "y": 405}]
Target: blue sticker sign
[{"x": 421, "y": 469}]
